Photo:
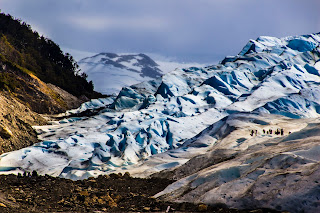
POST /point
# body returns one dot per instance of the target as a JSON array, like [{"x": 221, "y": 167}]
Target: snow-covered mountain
[
  {"x": 212, "y": 127},
  {"x": 110, "y": 71}
]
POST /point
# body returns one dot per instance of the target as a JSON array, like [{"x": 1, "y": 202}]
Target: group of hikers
[{"x": 270, "y": 131}]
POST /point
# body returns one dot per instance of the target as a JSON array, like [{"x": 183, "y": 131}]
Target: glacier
[
  {"x": 277, "y": 171},
  {"x": 167, "y": 122}
]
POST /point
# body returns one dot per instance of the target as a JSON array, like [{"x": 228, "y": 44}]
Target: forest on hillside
[{"x": 24, "y": 50}]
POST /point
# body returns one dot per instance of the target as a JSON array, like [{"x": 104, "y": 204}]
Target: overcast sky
[{"x": 188, "y": 30}]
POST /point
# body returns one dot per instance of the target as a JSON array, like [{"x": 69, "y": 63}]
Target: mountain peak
[{"x": 110, "y": 71}]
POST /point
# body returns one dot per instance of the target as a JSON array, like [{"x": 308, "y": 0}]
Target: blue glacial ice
[{"x": 269, "y": 75}]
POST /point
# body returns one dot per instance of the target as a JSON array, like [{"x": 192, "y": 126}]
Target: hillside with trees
[
  {"x": 35, "y": 77},
  {"x": 24, "y": 50}
]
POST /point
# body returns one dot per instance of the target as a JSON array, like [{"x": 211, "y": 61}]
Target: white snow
[
  {"x": 110, "y": 78},
  {"x": 168, "y": 65},
  {"x": 110, "y": 72},
  {"x": 132, "y": 64}
]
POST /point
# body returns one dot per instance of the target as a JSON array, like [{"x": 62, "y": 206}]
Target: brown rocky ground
[
  {"x": 16, "y": 122},
  {"x": 113, "y": 193},
  {"x": 20, "y": 105},
  {"x": 19, "y": 112}
]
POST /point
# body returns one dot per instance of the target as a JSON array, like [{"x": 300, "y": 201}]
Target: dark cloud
[{"x": 192, "y": 30}]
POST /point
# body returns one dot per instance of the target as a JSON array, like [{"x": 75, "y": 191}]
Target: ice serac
[{"x": 163, "y": 123}]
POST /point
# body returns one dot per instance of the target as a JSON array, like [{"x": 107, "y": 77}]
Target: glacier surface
[{"x": 166, "y": 122}]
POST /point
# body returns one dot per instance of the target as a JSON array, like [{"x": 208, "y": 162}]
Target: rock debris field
[{"x": 113, "y": 193}]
